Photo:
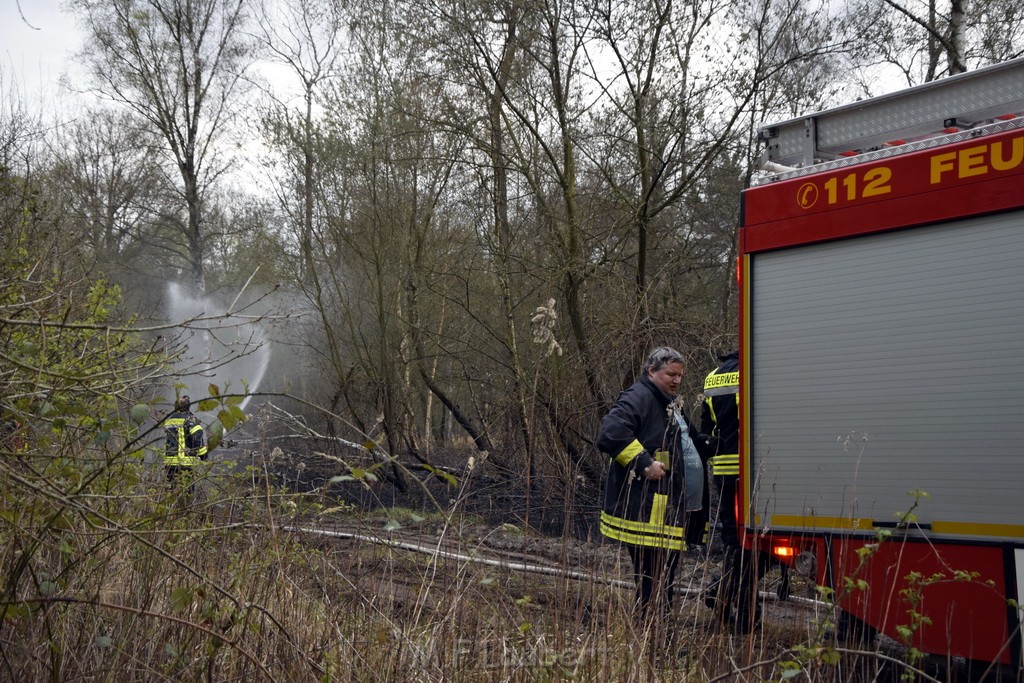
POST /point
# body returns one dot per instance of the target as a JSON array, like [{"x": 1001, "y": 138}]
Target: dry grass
[{"x": 151, "y": 586}]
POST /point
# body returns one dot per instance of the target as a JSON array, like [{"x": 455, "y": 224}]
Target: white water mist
[{"x": 228, "y": 350}]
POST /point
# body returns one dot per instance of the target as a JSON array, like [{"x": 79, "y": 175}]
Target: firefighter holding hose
[{"x": 185, "y": 446}]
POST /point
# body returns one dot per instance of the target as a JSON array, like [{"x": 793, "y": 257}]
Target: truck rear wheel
[{"x": 854, "y": 632}]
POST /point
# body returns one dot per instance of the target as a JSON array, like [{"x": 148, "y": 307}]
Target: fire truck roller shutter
[{"x": 887, "y": 363}]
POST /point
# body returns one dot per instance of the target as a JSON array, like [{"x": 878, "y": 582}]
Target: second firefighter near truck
[{"x": 731, "y": 595}]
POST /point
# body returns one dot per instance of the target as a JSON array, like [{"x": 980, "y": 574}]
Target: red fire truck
[{"x": 882, "y": 361}]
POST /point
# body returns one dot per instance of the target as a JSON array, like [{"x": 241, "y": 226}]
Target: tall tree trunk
[
  {"x": 194, "y": 230},
  {"x": 957, "y": 37},
  {"x": 478, "y": 434},
  {"x": 504, "y": 234}
]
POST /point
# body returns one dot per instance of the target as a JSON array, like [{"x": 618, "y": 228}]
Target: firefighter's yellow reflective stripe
[
  {"x": 647, "y": 541},
  {"x": 627, "y": 454},
  {"x": 711, "y": 408},
  {"x": 181, "y": 461},
  {"x": 722, "y": 391},
  {"x": 183, "y": 458},
  {"x": 201, "y": 451},
  {"x": 663, "y": 458},
  {"x": 642, "y": 527},
  {"x": 724, "y": 380},
  {"x": 639, "y": 533},
  {"x": 181, "y": 443},
  {"x": 658, "y": 507},
  {"x": 725, "y": 464}
]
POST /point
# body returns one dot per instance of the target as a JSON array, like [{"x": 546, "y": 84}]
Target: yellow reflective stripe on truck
[
  {"x": 815, "y": 522},
  {"x": 978, "y": 529}
]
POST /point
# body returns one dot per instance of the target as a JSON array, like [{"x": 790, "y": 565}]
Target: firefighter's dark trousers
[
  {"x": 736, "y": 593},
  {"x": 181, "y": 478},
  {"x": 654, "y": 571}
]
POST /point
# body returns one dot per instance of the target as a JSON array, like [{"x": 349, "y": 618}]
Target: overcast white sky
[{"x": 34, "y": 51}]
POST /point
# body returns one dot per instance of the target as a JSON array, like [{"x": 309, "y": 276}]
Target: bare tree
[
  {"x": 113, "y": 191},
  {"x": 923, "y": 40},
  {"x": 20, "y": 129},
  {"x": 177, "y": 64},
  {"x": 21, "y": 142},
  {"x": 668, "y": 113},
  {"x": 308, "y": 37}
]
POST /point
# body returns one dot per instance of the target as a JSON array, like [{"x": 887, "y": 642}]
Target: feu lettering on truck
[{"x": 1003, "y": 155}]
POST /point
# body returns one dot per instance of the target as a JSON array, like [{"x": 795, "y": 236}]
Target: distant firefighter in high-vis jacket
[
  {"x": 654, "y": 478},
  {"x": 185, "y": 446}
]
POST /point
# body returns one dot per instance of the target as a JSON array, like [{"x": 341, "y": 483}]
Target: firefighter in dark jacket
[
  {"x": 645, "y": 498},
  {"x": 185, "y": 447},
  {"x": 733, "y": 594}
]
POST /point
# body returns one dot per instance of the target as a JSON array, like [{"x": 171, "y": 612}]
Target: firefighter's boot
[
  {"x": 723, "y": 598},
  {"x": 710, "y": 592},
  {"x": 747, "y": 602}
]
